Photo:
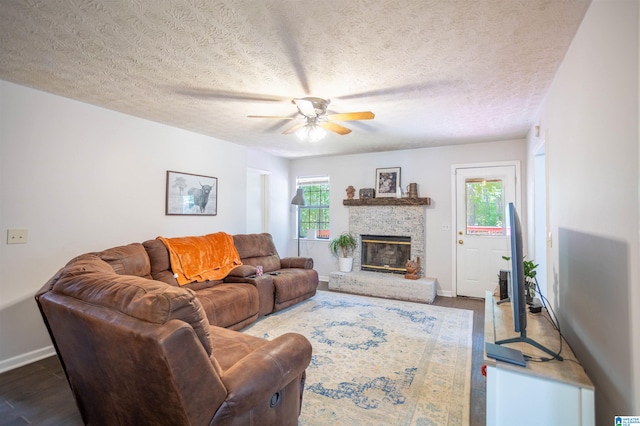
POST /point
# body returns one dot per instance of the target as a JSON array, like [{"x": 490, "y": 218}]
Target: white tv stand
[{"x": 542, "y": 393}]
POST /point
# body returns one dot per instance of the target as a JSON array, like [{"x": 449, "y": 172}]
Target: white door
[{"x": 482, "y": 195}]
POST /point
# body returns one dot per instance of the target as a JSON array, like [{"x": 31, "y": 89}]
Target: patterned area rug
[{"x": 378, "y": 361}]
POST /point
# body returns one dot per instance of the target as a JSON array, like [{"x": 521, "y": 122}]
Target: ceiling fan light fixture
[{"x": 310, "y": 132}]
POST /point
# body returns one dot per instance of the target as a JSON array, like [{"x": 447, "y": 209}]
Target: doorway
[
  {"x": 257, "y": 219},
  {"x": 481, "y": 195}
]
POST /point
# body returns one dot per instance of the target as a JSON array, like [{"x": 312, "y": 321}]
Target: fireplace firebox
[{"x": 383, "y": 253}]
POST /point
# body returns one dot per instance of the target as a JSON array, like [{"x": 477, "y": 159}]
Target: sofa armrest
[
  {"x": 242, "y": 271},
  {"x": 264, "y": 284},
  {"x": 296, "y": 262},
  {"x": 265, "y": 371}
]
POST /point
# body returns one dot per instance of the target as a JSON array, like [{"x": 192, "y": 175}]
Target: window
[
  {"x": 313, "y": 218},
  {"x": 485, "y": 207}
]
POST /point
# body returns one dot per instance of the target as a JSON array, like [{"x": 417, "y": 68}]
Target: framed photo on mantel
[{"x": 387, "y": 182}]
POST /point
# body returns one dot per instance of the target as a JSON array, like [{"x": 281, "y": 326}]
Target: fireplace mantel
[{"x": 423, "y": 201}]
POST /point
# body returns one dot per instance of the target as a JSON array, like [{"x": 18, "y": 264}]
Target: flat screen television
[
  {"x": 517, "y": 285},
  {"x": 517, "y": 295}
]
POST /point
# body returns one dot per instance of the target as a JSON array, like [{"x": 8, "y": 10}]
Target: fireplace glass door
[{"x": 385, "y": 253}]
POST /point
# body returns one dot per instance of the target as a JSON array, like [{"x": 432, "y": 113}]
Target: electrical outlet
[
  {"x": 17, "y": 236},
  {"x": 446, "y": 227}
]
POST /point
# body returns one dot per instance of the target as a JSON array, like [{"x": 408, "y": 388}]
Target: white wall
[
  {"x": 590, "y": 123},
  {"x": 82, "y": 178},
  {"x": 430, "y": 168}
]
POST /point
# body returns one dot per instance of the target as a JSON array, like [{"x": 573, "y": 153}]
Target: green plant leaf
[{"x": 343, "y": 245}]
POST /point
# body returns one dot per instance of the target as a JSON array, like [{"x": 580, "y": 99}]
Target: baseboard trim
[
  {"x": 443, "y": 293},
  {"x": 28, "y": 358}
]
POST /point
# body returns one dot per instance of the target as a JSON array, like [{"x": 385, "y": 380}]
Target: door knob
[{"x": 460, "y": 242}]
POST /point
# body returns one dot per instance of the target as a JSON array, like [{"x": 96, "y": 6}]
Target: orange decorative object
[
  {"x": 322, "y": 234},
  {"x": 413, "y": 269},
  {"x": 204, "y": 258}
]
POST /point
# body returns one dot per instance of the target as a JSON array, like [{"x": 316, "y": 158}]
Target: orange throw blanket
[{"x": 197, "y": 259}]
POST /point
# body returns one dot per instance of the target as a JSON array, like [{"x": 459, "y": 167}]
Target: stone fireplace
[
  {"x": 382, "y": 220},
  {"x": 405, "y": 221}
]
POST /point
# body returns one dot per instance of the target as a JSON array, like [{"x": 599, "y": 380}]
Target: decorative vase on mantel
[{"x": 351, "y": 191}]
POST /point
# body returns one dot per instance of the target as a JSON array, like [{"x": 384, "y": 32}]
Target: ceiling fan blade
[
  {"x": 208, "y": 94},
  {"x": 306, "y": 107},
  {"x": 347, "y": 116},
  {"x": 406, "y": 88},
  {"x": 279, "y": 117},
  {"x": 335, "y": 128},
  {"x": 293, "y": 129}
]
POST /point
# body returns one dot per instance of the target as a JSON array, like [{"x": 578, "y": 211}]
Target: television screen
[{"x": 518, "y": 288}]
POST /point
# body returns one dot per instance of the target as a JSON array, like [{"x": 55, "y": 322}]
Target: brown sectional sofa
[
  {"x": 138, "y": 348},
  {"x": 240, "y": 298}
]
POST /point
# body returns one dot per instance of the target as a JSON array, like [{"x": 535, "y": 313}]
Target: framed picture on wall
[
  {"x": 387, "y": 182},
  {"x": 189, "y": 194}
]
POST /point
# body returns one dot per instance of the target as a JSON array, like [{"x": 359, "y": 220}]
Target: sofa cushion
[
  {"x": 131, "y": 259},
  {"x": 231, "y": 306},
  {"x": 243, "y": 271},
  {"x": 297, "y": 262},
  {"x": 158, "y": 257},
  {"x": 257, "y": 249},
  {"x": 230, "y": 346},
  {"x": 90, "y": 279},
  {"x": 161, "y": 266},
  {"x": 294, "y": 285}
]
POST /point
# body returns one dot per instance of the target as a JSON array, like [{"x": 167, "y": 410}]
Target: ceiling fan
[{"x": 315, "y": 118}]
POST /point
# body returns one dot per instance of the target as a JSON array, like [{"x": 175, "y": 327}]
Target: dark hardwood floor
[
  {"x": 38, "y": 393},
  {"x": 477, "y": 410}
]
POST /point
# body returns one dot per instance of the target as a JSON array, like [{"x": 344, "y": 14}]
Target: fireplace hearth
[{"x": 384, "y": 253}]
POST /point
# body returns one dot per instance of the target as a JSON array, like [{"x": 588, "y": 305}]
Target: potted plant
[
  {"x": 342, "y": 247},
  {"x": 529, "y": 277}
]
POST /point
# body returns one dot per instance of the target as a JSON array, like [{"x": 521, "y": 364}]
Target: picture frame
[
  {"x": 387, "y": 182},
  {"x": 191, "y": 195}
]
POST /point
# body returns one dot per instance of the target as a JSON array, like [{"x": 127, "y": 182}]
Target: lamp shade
[{"x": 298, "y": 199}]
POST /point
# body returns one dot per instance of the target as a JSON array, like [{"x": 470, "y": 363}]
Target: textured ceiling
[{"x": 435, "y": 72}]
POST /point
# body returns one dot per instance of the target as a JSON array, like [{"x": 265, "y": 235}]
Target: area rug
[{"x": 378, "y": 361}]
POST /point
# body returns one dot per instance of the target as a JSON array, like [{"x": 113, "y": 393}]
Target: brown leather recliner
[{"x": 139, "y": 351}]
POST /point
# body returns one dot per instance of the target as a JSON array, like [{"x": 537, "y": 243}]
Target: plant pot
[
  {"x": 345, "y": 264},
  {"x": 529, "y": 293}
]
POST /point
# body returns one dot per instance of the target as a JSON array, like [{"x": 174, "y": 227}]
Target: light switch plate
[{"x": 17, "y": 236}]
